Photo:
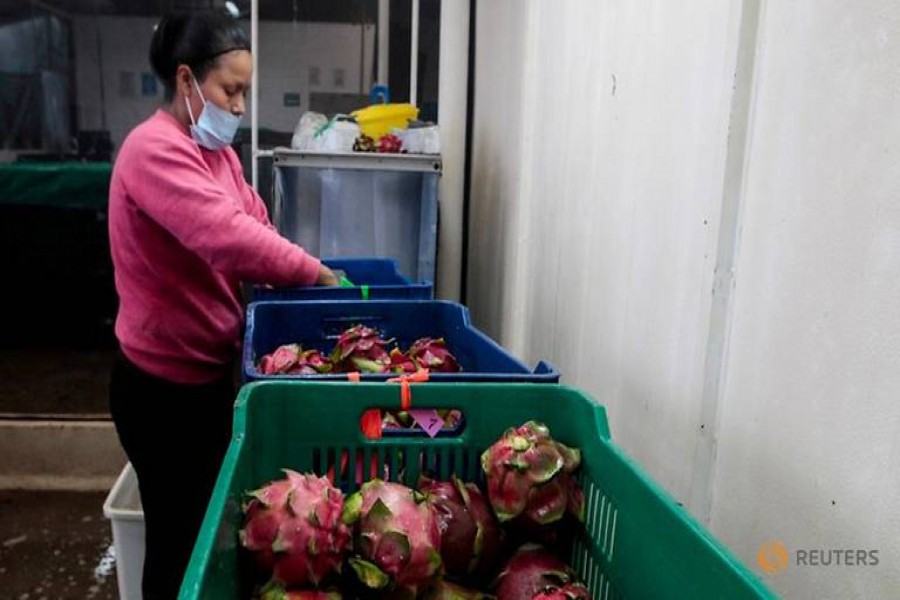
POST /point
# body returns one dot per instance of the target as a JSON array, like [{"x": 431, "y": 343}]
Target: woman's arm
[
  {"x": 257, "y": 209},
  {"x": 175, "y": 188}
]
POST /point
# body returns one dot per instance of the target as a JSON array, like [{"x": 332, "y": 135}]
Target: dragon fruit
[
  {"x": 403, "y": 420},
  {"x": 569, "y": 591},
  {"x": 444, "y": 590},
  {"x": 361, "y": 349},
  {"x": 275, "y": 591},
  {"x": 281, "y": 360},
  {"x": 530, "y": 477},
  {"x": 293, "y": 527},
  {"x": 397, "y": 420},
  {"x": 311, "y": 362},
  {"x": 390, "y": 143},
  {"x": 433, "y": 354},
  {"x": 452, "y": 417},
  {"x": 533, "y": 573},
  {"x": 401, "y": 363},
  {"x": 396, "y": 535},
  {"x": 291, "y": 359},
  {"x": 470, "y": 535}
]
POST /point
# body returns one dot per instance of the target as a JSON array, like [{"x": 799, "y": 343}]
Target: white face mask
[{"x": 216, "y": 127}]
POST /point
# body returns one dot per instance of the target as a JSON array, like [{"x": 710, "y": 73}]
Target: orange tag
[{"x": 370, "y": 423}]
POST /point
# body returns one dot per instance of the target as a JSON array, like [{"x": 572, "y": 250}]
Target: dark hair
[{"x": 195, "y": 40}]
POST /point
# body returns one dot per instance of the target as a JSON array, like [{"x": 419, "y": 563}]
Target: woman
[{"x": 185, "y": 232}]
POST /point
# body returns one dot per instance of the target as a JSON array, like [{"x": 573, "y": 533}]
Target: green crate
[{"x": 639, "y": 543}]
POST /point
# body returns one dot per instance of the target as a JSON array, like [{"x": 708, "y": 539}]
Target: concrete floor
[{"x": 54, "y": 545}]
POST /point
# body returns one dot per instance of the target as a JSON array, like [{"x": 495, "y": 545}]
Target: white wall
[
  {"x": 286, "y": 53},
  {"x": 809, "y": 445},
  {"x": 497, "y": 152},
  {"x": 123, "y": 46},
  {"x": 583, "y": 222},
  {"x": 691, "y": 209}
]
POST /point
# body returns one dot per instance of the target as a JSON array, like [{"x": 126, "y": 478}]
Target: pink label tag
[{"x": 429, "y": 420}]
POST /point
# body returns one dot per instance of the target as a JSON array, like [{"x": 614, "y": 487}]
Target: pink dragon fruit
[
  {"x": 444, "y": 590},
  {"x": 281, "y": 360},
  {"x": 361, "y": 349},
  {"x": 530, "y": 477},
  {"x": 275, "y": 591},
  {"x": 533, "y": 573},
  {"x": 291, "y": 359},
  {"x": 310, "y": 362},
  {"x": 390, "y": 143},
  {"x": 396, "y": 537},
  {"x": 569, "y": 591},
  {"x": 401, "y": 363},
  {"x": 433, "y": 354},
  {"x": 294, "y": 528},
  {"x": 403, "y": 420},
  {"x": 470, "y": 535}
]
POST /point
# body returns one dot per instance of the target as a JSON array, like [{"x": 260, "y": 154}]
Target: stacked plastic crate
[{"x": 637, "y": 541}]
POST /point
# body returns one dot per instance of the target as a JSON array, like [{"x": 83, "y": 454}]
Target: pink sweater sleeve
[
  {"x": 258, "y": 207},
  {"x": 175, "y": 188},
  {"x": 253, "y": 202}
]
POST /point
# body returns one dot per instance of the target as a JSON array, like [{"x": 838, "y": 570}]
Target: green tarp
[{"x": 60, "y": 185}]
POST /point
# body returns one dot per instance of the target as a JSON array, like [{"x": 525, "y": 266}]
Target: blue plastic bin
[
  {"x": 318, "y": 324},
  {"x": 380, "y": 276}
]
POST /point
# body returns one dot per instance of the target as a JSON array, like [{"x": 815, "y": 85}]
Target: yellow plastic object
[{"x": 378, "y": 120}]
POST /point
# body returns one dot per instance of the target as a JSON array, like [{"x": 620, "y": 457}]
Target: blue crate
[
  {"x": 318, "y": 324},
  {"x": 380, "y": 276}
]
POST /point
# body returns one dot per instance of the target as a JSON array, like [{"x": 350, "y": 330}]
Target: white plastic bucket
[{"x": 123, "y": 508}]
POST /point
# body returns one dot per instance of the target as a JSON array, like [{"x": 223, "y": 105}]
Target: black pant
[{"x": 175, "y": 437}]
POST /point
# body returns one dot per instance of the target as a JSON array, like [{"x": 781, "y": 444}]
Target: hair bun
[
  {"x": 193, "y": 39},
  {"x": 165, "y": 38}
]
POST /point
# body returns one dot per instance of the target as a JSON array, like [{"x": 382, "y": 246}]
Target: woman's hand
[{"x": 327, "y": 277}]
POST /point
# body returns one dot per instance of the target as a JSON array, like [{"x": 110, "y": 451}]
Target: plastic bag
[
  {"x": 420, "y": 140},
  {"x": 306, "y": 130},
  {"x": 337, "y": 135}
]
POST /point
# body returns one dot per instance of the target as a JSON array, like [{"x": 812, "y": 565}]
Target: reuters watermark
[{"x": 774, "y": 557}]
